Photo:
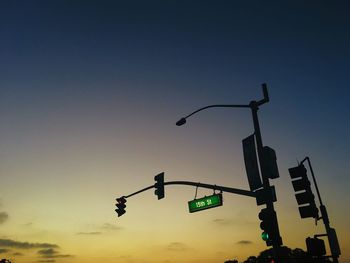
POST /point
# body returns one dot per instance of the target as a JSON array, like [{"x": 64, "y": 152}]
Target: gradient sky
[{"x": 89, "y": 95}]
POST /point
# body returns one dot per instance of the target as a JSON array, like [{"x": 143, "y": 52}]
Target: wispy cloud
[
  {"x": 224, "y": 222},
  {"x": 238, "y": 221},
  {"x": 52, "y": 253},
  {"x": 3, "y": 217},
  {"x": 47, "y": 252},
  {"x": 108, "y": 226},
  {"x": 177, "y": 246},
  {"x": 89, "y": 233},
  {"x": 25, "y": 245},
  {"x": 244, "y": 242}
]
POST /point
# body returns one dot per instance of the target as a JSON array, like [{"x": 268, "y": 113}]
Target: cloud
[
  {"x": 107, "y": 226},
  {"x": 47, "y": 252},
  {"x": 24, "y": 245},
  {"x": 89, "y": 233},
  {"x": 177, "y": 246},
  {"x": 52, "y": 253},
  {"x": 244, "y": 242},
  {"x": 223, "y": 222},
  {"x": 3, "y": 217}
]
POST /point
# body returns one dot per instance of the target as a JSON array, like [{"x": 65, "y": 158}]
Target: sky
[{"x": 90, "y": 92}]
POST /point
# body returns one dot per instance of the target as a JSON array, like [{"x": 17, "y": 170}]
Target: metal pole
[
  {"x": 323, "y": 209},
  {"x": 208, "y": 186},
  {"x": 266, "y": 184},
  {"x": 254, "y": 106},
  {"x": 313, "y": 178}
]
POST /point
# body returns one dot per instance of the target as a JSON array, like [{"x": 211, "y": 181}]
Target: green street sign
[{"x": 205, "y": 203}]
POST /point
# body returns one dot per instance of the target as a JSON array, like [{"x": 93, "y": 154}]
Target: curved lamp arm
[{"x": 182, "y": 121}]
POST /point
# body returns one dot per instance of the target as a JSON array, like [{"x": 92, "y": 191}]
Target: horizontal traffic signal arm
[
  {"x": 159, "y": 186},
  {"x": 196, "y": 184}
]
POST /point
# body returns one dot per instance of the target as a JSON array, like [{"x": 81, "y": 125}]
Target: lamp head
[{"x": 181, "y": 122}]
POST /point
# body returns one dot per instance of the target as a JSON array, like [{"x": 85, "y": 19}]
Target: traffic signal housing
[
  {"x": 269, "y": 226},
  {"x": 304, "y": 196},
  {"x": 159, "y": 185},
  {"x": 269, "y": 164},
  {"x": 315, "y": 247},
  {"x": 120, "y": 206}
]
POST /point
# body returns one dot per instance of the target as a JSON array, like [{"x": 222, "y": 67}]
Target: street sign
[
  {"x": 269, "y": 164},
  {"x": 265, "y": 195},
  {"x": 333, "y": 242},
  {"x": 205, "y": 203},
  {"x": 251, "y": 163}
]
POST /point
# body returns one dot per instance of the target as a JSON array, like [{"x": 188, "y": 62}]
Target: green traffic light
[{"x": 264, "y": 236}]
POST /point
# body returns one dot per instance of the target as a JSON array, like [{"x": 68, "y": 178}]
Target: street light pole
[
  {"x": 254, "y": 106},
  {"x": 265, "y": 179}
]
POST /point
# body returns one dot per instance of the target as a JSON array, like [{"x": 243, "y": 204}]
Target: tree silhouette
[
  {"x": 287, "y": 254},
  {"x": 251, "y": 259}
]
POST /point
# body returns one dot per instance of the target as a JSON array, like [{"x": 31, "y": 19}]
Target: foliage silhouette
[{"x": 287, "y": 254}]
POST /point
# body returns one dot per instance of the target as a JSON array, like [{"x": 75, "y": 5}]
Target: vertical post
[
  {"x": 325, "y": 218},
  {"x": 266, "y": 184}
]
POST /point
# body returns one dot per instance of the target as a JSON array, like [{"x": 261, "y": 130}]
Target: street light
[
  {"x": 254, "y": 106},
  {"x": 182, "y": 121}
]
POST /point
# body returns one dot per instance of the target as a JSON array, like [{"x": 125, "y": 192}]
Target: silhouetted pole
[
  {"x": 254, "y": 106},
  {"x": 266, "y": 184},
  {"x": 208, "y": 186},
  {"x": 332, "y": 238}
]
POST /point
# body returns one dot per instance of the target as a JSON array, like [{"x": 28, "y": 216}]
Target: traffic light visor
[{"x": 298, "y": 171}]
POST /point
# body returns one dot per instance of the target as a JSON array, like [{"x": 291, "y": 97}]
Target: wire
[{"x": 195, "y": 196}]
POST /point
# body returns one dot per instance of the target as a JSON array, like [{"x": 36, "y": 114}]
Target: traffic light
[
  {"x": 269, "y": 164},
  {"x": 269, "y": 226},
  {"x": 315, "y": 246},
  {"x": 120, "y": 206},
  {"x": 159, "y": 185},
  {"x": 304, "y": 195}
]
